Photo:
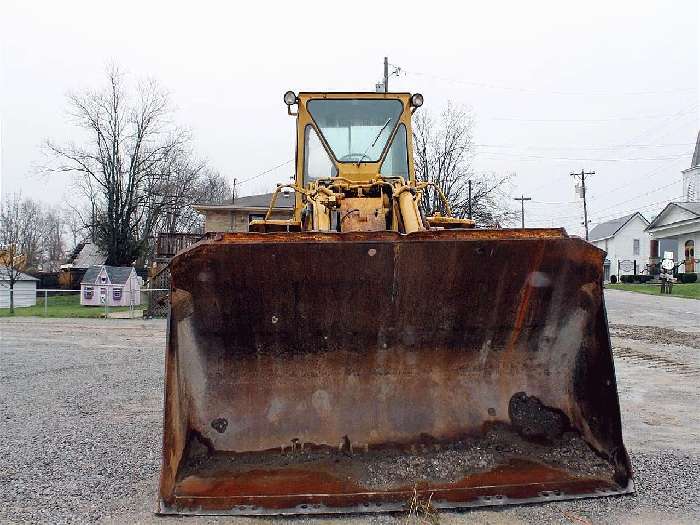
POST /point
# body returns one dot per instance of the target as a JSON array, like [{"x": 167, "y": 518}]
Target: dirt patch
[
  {"x": 656, "y": 361},
  {"x": 656, "y": 335},
  {"x": 391, "y": 467}
]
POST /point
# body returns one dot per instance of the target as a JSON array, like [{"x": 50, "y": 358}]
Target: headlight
[
  {"x": 290, "y": 98},
  {"x": 416, "y": 100}
]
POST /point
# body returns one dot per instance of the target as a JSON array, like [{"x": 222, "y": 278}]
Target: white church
[{"x": 677, "y": 227}]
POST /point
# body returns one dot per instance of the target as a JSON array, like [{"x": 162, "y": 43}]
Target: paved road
[
  {"x": 80, "y": 407},
  {"x": 652, "y": 310}
]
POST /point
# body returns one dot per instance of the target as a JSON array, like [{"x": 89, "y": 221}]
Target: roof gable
[
  {"x": 676, "y": 212},
  {"x": 20, "y": 276},
  {"x": 608, "y": 229},
  {"x": 116, "y": 274},
  {"x": 87, "y": 254}
]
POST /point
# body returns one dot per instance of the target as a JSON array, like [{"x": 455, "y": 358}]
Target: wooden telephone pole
[
  {"x": 522, "y": 200},
  {"x": 582, "y": 177}
]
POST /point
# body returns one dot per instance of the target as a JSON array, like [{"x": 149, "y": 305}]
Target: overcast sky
[{"x": 609, "y": 86}]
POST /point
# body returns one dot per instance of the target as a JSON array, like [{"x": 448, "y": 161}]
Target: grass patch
[
  {"x": 67, "y": 305},
  {"x": 688, "y": 291}
]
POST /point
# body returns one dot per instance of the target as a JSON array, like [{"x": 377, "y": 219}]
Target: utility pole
[
  {"x": 522, "y": 200},
  {"x": 582, "y": 177},
  {"x": 386, "y": 74},
  {"x": 469, "y": 207},
  {"x": 233, "y": 195}
]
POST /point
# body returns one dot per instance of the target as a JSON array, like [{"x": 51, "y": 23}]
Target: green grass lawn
[
  {"x": 689, "y": 291},
  {"x": 62, "y": 306}
]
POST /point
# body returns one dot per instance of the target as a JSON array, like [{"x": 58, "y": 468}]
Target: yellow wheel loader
[{"x": 361, "y": 354}]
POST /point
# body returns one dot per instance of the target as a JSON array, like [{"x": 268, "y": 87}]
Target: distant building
[
  {"x": 236, "y": 216},
  {"x": 24, "y": 290},
  {"x": 626, "y": 242},
  {"x": 678, "y": 224},
  {"x": 84, "y": 256},
  {"x": 113, "y": 285}
]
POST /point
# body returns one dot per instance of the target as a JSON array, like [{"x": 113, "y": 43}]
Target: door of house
[{"x": 689, "y": 256}]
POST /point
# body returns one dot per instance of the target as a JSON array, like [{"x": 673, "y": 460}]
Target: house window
[
  {"x": 87, "y": 292},
  {"x": 635, "y": 247},
  {"x": 255, "y": 216},
  {"x": 117, "y": 294},
  {"x": 103, "y": 279}
]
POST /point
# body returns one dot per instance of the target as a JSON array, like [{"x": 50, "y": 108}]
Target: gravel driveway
[{"x": 80, "y": 414}]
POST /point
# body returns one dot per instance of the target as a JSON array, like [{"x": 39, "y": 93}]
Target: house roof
[
  {"x": 696, "y": 155},
  {"x": 285, "y": 200},
  {"x": 87, "y": 254},
  {"x": 116, "y": 274},
  {"x": 607, "y": 229},
  {"x": 692, "y": 207},
  {"x": 5, "y": 276}
]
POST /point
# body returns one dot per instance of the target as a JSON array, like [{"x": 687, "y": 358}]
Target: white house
[
  {"x": 24, "y": 290},
  {"x": 678, "y": 224},
  {"x": 113, "y": 285},
  {"x": 626, "y": 242}
]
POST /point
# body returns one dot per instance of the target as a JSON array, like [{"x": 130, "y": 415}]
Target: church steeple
[
  {"x": 696, "y": 156},
  {"x": 691, "y": 176}
]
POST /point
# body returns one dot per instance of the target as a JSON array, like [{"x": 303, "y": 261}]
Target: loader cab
[
  {"x": 354, "y": 136},
  {"x": 354, "y": 167}
]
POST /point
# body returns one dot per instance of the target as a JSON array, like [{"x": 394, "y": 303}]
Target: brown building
[{"x": 236, "y": 216}]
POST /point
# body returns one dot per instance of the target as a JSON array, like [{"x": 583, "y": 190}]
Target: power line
[
  {"x": 676, "y": 181},
  {"x": 607, "y": 119},
  {"x": 583, "y": 147},
  {"x": 552, "y": 92},
  {"x": 265, "y": 172},
  {"x": 636, "y": 181},
  {"x": 638, "y": 208},
  {"x": 522, "y": 156}
]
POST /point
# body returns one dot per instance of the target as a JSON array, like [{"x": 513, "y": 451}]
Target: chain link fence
[{"x": 100, "y": 301}]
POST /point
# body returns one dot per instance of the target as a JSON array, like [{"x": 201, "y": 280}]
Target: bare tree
[
  {"x": 76, "y": 227},
  {"x": 20, "y": 237},
  {"x": 53, "y": 239},
  {"x": 210, "y": 187},
  {"x": 125, "y": 166},
  {"x": 443, "y": 151}
]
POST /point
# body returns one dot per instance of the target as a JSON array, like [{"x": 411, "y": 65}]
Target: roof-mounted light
[
  {"x": 290, "y": 98},
  {"x": 417, "y": 100}
]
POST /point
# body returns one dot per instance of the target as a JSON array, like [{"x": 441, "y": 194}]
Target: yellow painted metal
[
  {"x": 320, "y": 204},
  {"x": 450, "y": 222},
  {"x": 362, "y": 214},
  {"x": 351, "y": 171},
  {"x": 409, "y": 212}
]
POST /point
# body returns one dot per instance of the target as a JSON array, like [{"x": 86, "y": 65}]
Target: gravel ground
[{"x": 80, "y": 407}]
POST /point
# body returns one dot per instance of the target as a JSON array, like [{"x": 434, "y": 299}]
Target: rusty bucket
[{"x": 329, "y": 372}]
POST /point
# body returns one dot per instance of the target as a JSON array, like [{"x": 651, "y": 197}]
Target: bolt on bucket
[{"x": 328, "y": 372}]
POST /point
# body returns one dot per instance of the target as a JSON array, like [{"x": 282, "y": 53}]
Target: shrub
[
  {"x": 635, "y": 279},
  {"x": 687, "y": 278},
  {"x": 613, "y": 279}
]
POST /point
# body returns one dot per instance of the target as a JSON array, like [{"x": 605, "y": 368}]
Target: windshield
[{"x": 356, "y": 130}]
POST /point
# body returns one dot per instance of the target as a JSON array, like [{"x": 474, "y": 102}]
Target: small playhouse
[{"x": 110, "y": 285}]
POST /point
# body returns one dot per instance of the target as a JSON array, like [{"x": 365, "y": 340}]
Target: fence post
[{"x": 46, "y": 303}]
